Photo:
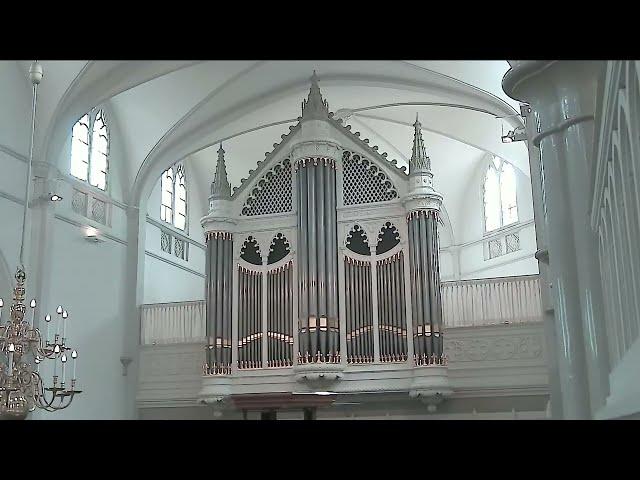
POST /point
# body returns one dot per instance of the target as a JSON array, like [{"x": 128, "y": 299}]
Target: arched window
[
  {"x": 173, "y": 208},
  {"x": 90, "y": 149},
  {"x": 500, "y": 202}
]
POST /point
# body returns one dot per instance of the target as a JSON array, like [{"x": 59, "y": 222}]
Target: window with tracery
[
  {"x": 90, "y": 149},
  {"x": 173, "y": 207},
  {"x": 500, "y": 200}
]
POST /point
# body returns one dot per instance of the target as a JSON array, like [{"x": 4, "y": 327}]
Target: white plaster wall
[
  {"x": 15, "y": 107},
  {"x": 168, "y": 278},
  {"x": 164, "y": 283},
  {"x": 89, "y": 283},
  {"x": 470, "y": 237}
]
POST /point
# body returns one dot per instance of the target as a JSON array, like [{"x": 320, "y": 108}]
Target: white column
[
  {"x": 561, "y": 97},
  {"x": 539, "y": 210},
  {"x": 134, "y": 294},
  {"x": 374, "y": 305}
]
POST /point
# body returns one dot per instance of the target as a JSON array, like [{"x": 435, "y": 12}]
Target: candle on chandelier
[
  {"x": 33, "y": 311},
  {"x": 11, "y": 350},
  {"x": 47, "y": 319},
  {"x": 74, "y": 355},
  {"x": 65, "y": 315},
  {"x": 1, "y": 305},
  {"x": 37, "y": 360},
  {"x": 59, "y": 311},
  {"x": 63, "y": 359}
]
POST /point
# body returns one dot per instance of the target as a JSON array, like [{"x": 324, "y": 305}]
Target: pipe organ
[{"x": 292, "y": 281}]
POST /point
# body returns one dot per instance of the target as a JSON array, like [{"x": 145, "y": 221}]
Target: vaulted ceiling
[{"x": 170, "y": 110}]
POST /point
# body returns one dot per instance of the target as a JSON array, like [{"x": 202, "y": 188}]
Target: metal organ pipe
[
  {"x": 317, "y": 259},
  {"x": 426, "y": 301},
  {"x": 218, "y": 302}
]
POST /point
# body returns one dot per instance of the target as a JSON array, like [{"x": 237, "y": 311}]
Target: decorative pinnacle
[
  {"x": 220, "y": 188},
  {"x": 314, "y": 106},
  {"x": 419, "y": 162}
]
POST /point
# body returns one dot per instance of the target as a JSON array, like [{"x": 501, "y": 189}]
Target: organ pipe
[
  {"x": 317, "y": 258},
  {"x": 427, "y": 303},
  {"x": 218, "y": 302}
]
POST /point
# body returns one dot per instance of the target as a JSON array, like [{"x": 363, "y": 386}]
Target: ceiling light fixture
[{"x": 54, "y": 197}]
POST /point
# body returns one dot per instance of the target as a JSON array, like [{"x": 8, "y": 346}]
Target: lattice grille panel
[
  {"x": 363, "y": 182},
  {"x": 272, "y": 194},
  {"x": 513, "y": 242},
  {"x": 165, "y": 242},
  {"x": 179, "y": 248},
  {"x": 495, "y": 248},
  {"x": 79, "y": 202},
  {"x": 99, "y": 211}
]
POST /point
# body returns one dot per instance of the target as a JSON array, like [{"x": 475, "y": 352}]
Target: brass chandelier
[{"x": 22, "y": 346}]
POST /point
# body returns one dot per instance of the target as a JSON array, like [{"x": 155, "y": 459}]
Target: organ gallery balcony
[{"x": 493, "y": 342}]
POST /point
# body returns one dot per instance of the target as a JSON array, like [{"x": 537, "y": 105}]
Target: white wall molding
[
  {"x": 175, "y": 232},
  {"x": 12, "y": 153},
  {"x": 86, "y": 225},
  {"x": 175, "y": 264}
]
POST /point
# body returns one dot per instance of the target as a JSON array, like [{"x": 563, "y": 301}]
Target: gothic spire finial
[
  {"x": 314, "y": 106},
  {"x": 419, "y": 162},
  {"x": 220, "y": 188}
]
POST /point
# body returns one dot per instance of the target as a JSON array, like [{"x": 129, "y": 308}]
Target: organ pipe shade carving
[
  {"x": 392, "y": 315},
  {"x": 280, "y": 316},
  {"x": 218, "y": 286},
  {"x": 388, "y": 238},
  {"x": 357, "y": 241},
  {"x": 249, "y": 318},
  {"x": 363, "y": 182},
  {"x": 279, "y": 249},
  {"x": 317, "y": 260},
  {"x": 425, "y": 286},
  {"x": 359, "y": 311},
  {"x": 272, "y": 194},
  {"x": 250, "y": 251}
]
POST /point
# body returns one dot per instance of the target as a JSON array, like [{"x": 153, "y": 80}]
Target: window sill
[
  {"x": 86, "y": 187},
  {"x": 502, "y": 230}
]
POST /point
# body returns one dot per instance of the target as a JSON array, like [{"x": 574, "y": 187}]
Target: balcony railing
[
  {"x": 181, "y": 322},
  {"x": 491, "y": 301},
  {"x": 464, "y": 303}
]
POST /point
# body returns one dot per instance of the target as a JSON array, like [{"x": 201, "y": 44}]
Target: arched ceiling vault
[{"x": 170, "y": 110}]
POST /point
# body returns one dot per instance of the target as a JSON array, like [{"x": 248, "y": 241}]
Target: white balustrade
[
  {"x": 181, "y": 322},
  {"x": 616, "y": 203},
  {"x": 491, "y": 301},
  {"x": 464, "y": 303}
]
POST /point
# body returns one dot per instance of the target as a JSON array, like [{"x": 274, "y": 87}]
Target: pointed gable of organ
[{"x": 367, "y": 175}]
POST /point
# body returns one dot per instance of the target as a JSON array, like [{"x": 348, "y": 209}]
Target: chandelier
[{"x": 22, "y": 345}]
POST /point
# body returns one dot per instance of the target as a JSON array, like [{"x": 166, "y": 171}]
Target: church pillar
[
  {"x": 538, "y": 188},
  {"x": 562, "y": 98}
]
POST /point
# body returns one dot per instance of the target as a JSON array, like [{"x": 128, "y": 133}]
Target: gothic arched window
[
  {"x": 173, "y": 207},
  {"x": 499, "y": 192},
  {"x": 90, "y": 149}
]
